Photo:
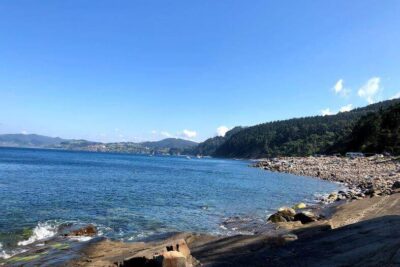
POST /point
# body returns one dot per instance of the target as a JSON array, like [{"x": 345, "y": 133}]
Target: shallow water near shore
[{"x": 131, "y": 197}]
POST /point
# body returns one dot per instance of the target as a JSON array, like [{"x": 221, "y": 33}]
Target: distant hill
[
  {"x": 165, "y": 146},
  {"x": 29, "y": 140},
  {"x": 374, "y": 128},
  {"x": 175, "y": 143},
  {"x": 293, "y": 137}
]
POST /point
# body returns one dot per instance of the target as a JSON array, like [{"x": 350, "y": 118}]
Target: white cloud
[
  {"x": 221, "y": 130},
  {"x": 326, "y": 112},
  {"x": 369, "y": 90},
  {"x": 24, "y": 132},
  {"x": 393, "y": 97},
  {"x": 189, "y": 134},
  {"x": 339, "y": 88},
  {"x": 153, "y": 132},
  {"x": 346, "y": 108},
  {"x": 165, "y": 134}
]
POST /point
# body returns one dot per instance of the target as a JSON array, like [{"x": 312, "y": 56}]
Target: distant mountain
[
  {"x": 293, "y": 137},
  {"x": 29, "y": 140},
  {"x": 175, "y": 143},
  {"x": 165, "y": 146}
]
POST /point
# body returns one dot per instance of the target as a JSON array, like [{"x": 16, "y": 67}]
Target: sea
[{"x": 133, "y": 197}]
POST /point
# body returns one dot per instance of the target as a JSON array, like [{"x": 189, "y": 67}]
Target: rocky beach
[{"x": 364, "y": 176}]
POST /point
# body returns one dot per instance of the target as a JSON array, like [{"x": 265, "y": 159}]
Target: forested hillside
[
  {"x": 209, "y": 146},
  {"x": 294, "y": 137},
  {"x": 374, "y": 133}
]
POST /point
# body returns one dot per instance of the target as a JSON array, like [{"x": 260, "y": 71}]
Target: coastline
[
  {"x": 364, "y": 200},
  {"x": 363, "y": 176}
]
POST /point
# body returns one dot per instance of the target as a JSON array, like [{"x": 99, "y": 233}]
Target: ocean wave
[{"x": 42, "y": 231}]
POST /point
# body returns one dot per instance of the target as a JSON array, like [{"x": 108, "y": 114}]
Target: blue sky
[{"x": 144, "y": 70}]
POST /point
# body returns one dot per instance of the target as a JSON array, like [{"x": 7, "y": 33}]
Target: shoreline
[
  {"x": 363, "y": 176},
  {"x": 334, "y": 212}
]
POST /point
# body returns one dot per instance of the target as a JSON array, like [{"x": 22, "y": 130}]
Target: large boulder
[
  {"x": 276, "y": 218},
  {"x": 284, "y": 214},
  {"x": 305, "y": 217},
  {"x": 287, "y": 213}
]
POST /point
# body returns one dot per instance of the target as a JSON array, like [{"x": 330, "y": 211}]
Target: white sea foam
[
  {"x": 3, "y": 253},
  {"x": 42, "y": 231},
  {"x": 140, "y": 235},
  {"x": 80, "y": 238},
  {"x": 8, "y": 254}
]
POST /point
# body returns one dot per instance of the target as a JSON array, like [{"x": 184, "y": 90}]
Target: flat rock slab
[
  {"x": 367, "y": 234},
  {"x": 374, "y": 242}
]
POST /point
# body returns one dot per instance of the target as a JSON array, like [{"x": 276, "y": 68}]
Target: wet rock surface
[{"x": 88, "y": 230}]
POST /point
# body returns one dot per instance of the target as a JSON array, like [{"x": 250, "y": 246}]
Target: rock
[
  {"x": 369, "y": 192},
  {"x": 89, "y": 230},
  {"x": 305, "y": 217},
  {"x": 171, "y": 254},
  {"x": 396, "y": 185},
  {"x": 276, "y": 218},
  {"x": 376, "y": 193},
  {"x": 332, "y": 197},
  {"x": 289, "y": 237},
  {"x": 183, "y": 248},
  {"x": 300, "y": 206},
  {"x": 173, "y": 259},
  {"x": 284, "y": 214},
  {"x": 287, "y": 212}
]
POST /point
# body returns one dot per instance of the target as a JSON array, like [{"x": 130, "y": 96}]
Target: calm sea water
[{"x": 132, "y": 196}]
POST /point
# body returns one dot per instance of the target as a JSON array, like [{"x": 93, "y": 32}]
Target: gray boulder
[{"x": 306, "y": 217}]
